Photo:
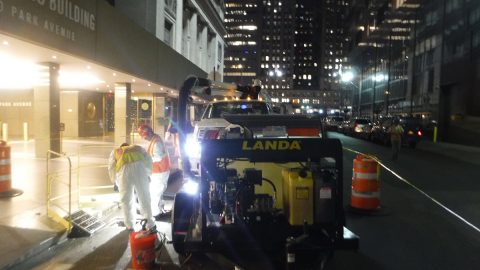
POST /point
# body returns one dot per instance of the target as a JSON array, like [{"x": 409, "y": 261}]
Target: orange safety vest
[{"x": 164, "y": 164}]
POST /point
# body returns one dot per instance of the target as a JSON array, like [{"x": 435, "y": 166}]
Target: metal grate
[{"x": 86, "y": 222}]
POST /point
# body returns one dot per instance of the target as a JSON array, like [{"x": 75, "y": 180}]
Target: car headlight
[
  {"x": 190, "y": 187},
  {"x": 192, "y": 147}
]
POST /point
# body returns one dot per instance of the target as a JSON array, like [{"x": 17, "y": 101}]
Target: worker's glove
[{"x": 115, "y": 187}]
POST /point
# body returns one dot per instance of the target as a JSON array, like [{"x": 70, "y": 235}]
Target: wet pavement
[{"x": 25, "y": 228}]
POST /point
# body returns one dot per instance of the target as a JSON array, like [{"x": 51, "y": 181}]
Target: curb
[{"x": 60, "y": 238}]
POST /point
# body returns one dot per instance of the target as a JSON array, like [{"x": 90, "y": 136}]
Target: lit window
[
  {"x": 246, "y": 27},
  {"x": 237, "y": 43}
]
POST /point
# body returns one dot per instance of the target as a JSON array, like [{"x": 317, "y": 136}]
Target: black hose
[{"x": 273, "y": 185}]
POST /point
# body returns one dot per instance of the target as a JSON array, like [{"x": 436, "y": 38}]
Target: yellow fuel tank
[{"x": 298, "y": 196}]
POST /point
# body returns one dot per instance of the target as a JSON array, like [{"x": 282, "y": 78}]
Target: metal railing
[
  {"x": 64, "y": 196},
  {"x": 54, "y": 177},
  {"x": 102, "y": 153}
]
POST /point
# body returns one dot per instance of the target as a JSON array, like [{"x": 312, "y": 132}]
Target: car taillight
[
  {"x": 211, "y": 134},
  {"x": 419, "y": 133}
]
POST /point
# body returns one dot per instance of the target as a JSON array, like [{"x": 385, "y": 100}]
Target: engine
[{"x": 233, "y": 197}]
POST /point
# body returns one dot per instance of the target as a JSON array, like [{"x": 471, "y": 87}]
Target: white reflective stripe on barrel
[
  {"x": 365, "y": 194},
  {"x": 366, "y": 176},
  {"x": 4, "y": 161},
  {"x": 6, "y": 177}
]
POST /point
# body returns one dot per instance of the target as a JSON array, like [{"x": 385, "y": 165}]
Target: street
[
  {"x": 431, "y": 222},
  {"x": 429, "y": 219}
]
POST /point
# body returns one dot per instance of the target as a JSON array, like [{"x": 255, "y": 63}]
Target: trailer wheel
[{"x": 183, "y": 207}]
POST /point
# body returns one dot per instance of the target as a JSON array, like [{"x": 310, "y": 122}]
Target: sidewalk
[
  {"x": 465, "y": 153},
  {"x": 25, "y": 229}
]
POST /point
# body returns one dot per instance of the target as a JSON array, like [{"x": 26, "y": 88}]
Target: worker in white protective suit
[
  {"x": 129, "y": 167},
  {"x": 160, "y": 170}
]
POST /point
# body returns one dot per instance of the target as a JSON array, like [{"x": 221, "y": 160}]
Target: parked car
[
  {"x": 342, "y": 126},
  {"x": 332, "y": 122},
  {"x": 413, "y": 130},
  {"x": 359, "y": 127},
  {"x": 379, "y": 131}
]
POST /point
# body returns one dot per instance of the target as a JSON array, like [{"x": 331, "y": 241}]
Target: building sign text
[{"x": 47, "y": 14}]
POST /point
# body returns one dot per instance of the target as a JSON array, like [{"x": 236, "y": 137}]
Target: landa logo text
[{"x": 271, "y": 145}]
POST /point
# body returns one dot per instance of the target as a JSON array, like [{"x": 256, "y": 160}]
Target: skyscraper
[
  {"x": 334, "y": 40},
  {"x": 297, "y": 48},
  {"x": 307, "y": 42},
  {"x": 274, "y": 41},
  {"x": 382, "y": 40},
  {"x": 242, "y": 52}
]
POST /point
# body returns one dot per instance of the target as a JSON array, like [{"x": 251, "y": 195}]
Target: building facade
[
  {"x": 275, "y": 41},
  {"x": 82, "y": 68},
  {"x": 381, "y": 43},
  {"x": 418, "y": 58},
  {"x": 193, "y": 28},
  {"x": 334, "y": 41},
  {"x": 243, "y": 40}
]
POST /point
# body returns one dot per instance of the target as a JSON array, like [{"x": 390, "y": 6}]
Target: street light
[
  {"x": 387, "y": 95},
  {"x": 377, "y": 77},
  {"x": 347, "y": 77}
]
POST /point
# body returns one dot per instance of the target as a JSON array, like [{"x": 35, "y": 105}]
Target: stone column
[
  {"x": 47, "y": 111},
  {"x": 123, "y": 123},
  {"x": 218, "y": 53},
  {"x": 160, "y": 25},
  {"x": 203, "y": 48},
  {"x": 192, "y": 34},
  {"x": 69, "y": 113},
  {"x": 179, "y": 26}
]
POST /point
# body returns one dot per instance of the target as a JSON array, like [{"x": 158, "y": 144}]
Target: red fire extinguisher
[{"x": 142, "y": 244}]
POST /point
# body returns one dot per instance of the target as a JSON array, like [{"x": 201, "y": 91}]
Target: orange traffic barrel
[
  {"x": 6, "y": 189},
  {"x": 365, "y": 184}
]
